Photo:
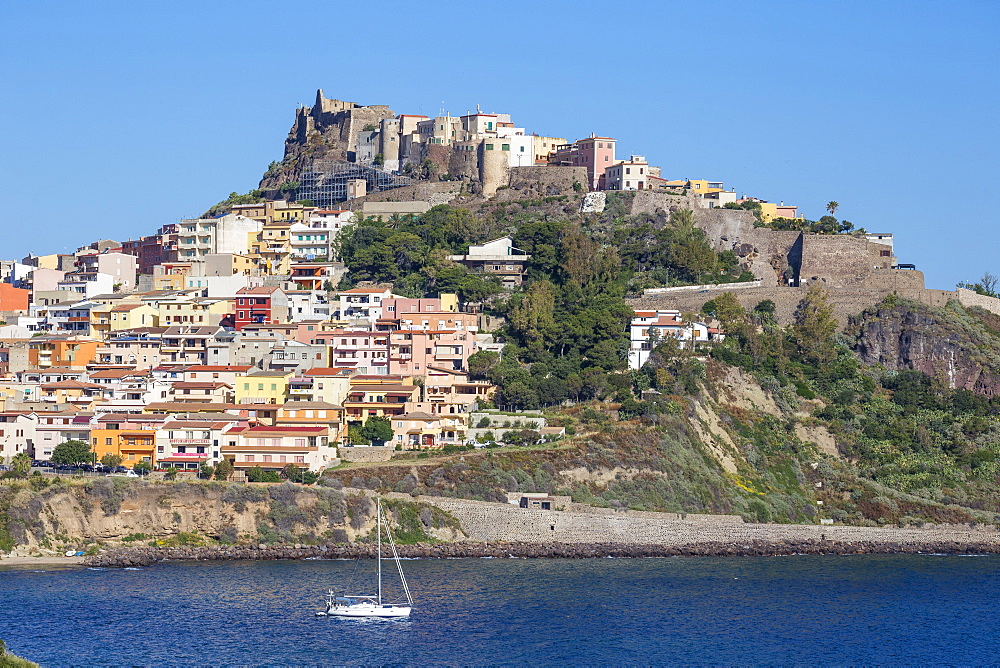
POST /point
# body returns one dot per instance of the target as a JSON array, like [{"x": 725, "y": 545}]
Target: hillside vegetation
[{"x": 875, "y": 440}]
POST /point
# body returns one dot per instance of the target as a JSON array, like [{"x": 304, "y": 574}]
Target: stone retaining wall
[
  {"x": 498, "y": 522},
  {"x": 364, "y": 453}
]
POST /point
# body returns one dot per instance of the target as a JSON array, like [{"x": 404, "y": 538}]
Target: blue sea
[{"x": 690, "y": 610}]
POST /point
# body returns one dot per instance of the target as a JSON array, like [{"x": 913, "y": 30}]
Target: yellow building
[
  {"x": 323, "y": 384},
  {"x": 100, "y": 321},
  {"x": 275, "y": 211},
  {"x": 47, "y": 261},
  {"x": 273, "y": 247},
  {"x": 314, "y": 414},
  {"x": 200, "y": 312},
  {"x": 381, "y": 396},
  {"x": 262, "y": 387},
  {"x": 130, "y": 316}
]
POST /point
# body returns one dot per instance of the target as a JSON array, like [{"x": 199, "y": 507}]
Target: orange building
[
  {"x": 131, "y": 436},
  {"x": 75, "y": 352},
  {"x": 13, "y": 299}
]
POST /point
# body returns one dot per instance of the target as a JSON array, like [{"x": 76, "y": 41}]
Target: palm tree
[{"x": 832, "y": 207}]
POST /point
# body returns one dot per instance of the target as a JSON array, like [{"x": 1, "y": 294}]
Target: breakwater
[{"x": 147, "y": 556}]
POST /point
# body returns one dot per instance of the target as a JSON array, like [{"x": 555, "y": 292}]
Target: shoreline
[
  {"x": 21, "y": 561},
  {"x": 147, "y": 556}
]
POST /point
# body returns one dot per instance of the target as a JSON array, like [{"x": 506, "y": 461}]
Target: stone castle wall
[
  {"x": 542, "y": 181},
  {"x": 847, "y": 302}
]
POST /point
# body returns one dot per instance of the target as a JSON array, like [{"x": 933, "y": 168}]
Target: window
[
  {"x": 505, "y": 147},
  {"x": 300, "y": 460},
  {"x": 249, "y": 458},
  {"x": 489, "y": 147}
]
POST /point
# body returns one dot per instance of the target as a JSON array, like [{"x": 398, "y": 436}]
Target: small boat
[{"x": 371, "y": 605}]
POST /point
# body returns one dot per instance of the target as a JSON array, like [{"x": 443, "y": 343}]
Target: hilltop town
[{"x": 400, "y": 283}]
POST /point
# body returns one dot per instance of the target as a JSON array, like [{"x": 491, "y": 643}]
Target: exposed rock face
[
  {"x": 943, "y": 344},
  {"x": 327, "y": 130}
]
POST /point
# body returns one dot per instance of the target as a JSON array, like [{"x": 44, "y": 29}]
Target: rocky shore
[{"x": 147, "y": 556}]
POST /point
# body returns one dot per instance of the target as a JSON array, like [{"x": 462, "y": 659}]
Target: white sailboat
[{"x": 371, "y": 605}]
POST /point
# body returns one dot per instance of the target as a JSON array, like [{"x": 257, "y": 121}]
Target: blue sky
[{"x": 116, "y": 118}]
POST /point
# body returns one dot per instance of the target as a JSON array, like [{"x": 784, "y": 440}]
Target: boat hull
[{"x": 369, "y": 611}]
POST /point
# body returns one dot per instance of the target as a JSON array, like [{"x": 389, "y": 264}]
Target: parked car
[{"x": 2, "y": 467}]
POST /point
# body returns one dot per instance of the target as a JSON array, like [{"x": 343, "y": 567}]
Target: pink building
[
  {"x": 595, "y": 153},
  {"x": 362, "y": 350},
  {"x": 412, "y": 352}
]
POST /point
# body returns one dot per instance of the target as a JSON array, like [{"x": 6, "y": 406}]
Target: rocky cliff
[
  {"x": 327, "y": 130},
  {"x": 955, "y": 345},
  {"x": 47, "y": 514}
]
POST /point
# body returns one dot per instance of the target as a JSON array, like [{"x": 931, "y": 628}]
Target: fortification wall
[
  {"x": 773, "y": 256},
  {"x": 542, "y": 181},
  {"x": 499, "y": 522},
  {"x": 494, "y": 170},
  {"x": 846, "y": 302},
  {"x": 836, "y": 260},
  {"x": 972, "y": 298},
  {"x": 432, "y": 192},
  {"x": 652, "y": 202}
]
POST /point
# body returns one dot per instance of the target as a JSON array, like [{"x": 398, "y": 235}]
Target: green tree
[
  {"x": 355, "y": 437},
  {"x": 292, "y": 472},
  {"x": 815, "y": 327},
  {"x": 171, "y": 473},
  {"x": 832, "y": 207},
  {"x": 224, "y": 469},
  {"x": 378, "y": 430},
  {"x": 20, "y": 464},
  {"x": 142, "y": 467},
  {"x": 258, "y": 474},
  {"x": 206, "y": 471},
  {"x": 986, "y": 285},
  {"x": 71, "y": 452},
  {"x": 481, "y": 363},
  {"x": 112, "y": 460},
  {"x": 691, "y": 256}
]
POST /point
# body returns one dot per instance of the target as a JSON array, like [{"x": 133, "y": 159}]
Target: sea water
[{"x": 689, "y": 610}]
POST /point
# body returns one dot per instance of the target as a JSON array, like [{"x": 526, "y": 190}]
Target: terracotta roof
[
  {"x": 259, "y": 290},
  {"x": 307, "y": 405},
  {"x": 327, "y": 371},
  {"x": 382, "y": 388},
  {"x": 279, "y": 430},
  {"x": 202, "y": 368},
  {"x": 364, "y": 291},
  {"x": 119, "y": 373},
  {"x": 72, "y": 385},
  {"x": 185, "y": 406},
  {"x": 417, "y": 415}
]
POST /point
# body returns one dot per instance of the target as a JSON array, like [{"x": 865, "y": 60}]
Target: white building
[
  {"x": 363, "y": 304},
  {"x": 631, "y": 174},
  {"x": 648, "y": 328},
  {"x": 199, "y": 237}
]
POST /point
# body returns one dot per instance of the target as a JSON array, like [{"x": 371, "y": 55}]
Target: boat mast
[
  {"x": 399, "y": 565},
  {"x": 378, "y": 554}
]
